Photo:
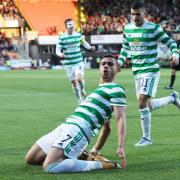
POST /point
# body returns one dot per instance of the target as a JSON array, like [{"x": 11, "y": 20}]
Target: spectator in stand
[
  {"x": 107, "y": 17},
  {"x": 6, "y": 47},
  {"x": 8, "y": 10}
]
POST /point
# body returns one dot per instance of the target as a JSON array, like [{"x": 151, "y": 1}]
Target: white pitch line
[{"x": 29, "y": 94}]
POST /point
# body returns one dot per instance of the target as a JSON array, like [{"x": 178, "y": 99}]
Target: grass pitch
[{"x": 33, "y": 103}]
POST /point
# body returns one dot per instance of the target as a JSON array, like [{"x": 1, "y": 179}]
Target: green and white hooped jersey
[
  {"x": 70, "y": 46},
  {"x": 97, "y": 108},
  {"x": 140, "y": 43}
]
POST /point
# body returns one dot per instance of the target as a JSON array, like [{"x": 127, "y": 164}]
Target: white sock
[
  {"x": 158, "y": 103},
  {"x": 77, "y": 92},
  {"x": 146, "y": 122},
  {"x": 73, "y": 165}
]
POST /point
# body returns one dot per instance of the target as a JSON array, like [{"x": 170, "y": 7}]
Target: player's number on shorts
[
  {"x": 68, "y": 137},
  {"x": 145, "y": 83}
]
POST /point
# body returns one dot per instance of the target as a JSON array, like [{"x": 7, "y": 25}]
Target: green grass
[{"x": 35, "y": 102}]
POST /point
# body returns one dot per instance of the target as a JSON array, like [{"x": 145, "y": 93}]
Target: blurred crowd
[
  {"x": 8, "y": 10},
  {"x": 109, "y": 17},
  {"x": 7, "y": 48},
  {"x": 104, "y": 17}
]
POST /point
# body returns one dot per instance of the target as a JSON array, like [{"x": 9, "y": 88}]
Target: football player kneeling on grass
[{"x": 58, "y": 151}]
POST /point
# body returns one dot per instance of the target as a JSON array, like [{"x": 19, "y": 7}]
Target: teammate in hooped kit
[
  {"x": 58, "y": 150},
  {"x": 69, "y": 48},
  {"x": 140, "y": 42}
]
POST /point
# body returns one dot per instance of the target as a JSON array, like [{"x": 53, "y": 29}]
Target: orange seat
[{"x": 46, "y": 16}]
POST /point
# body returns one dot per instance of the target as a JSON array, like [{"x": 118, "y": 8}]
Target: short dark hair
[
  {"x": 67, "y": 20},
  {"x": 108, "y": 56},
  {"x": 137, "y": 5}
]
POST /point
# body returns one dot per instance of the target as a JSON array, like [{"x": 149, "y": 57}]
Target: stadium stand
[
  {"x": 95, "y": 18},
  {"x": 109, "y": 17},
  {"x": 8, "y": 10},
  {"x": 106, "y": 17},
  {"x": 48, "y": 16}
]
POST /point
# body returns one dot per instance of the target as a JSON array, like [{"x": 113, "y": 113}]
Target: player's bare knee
[
  {"x": 79, "y": 80},
  {"x": 32, "y": 159},
  {"x": 74, "y": 83},
  {"x": 45, "y": 165},
  {"x": 140, "y": 106},
  {"x": 28, "y": 159},
  {"x": 142, "y": 103},
  {"x": 35, "y": 158}
]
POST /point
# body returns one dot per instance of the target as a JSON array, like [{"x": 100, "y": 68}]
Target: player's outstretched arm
[
  {"x": 103, "y": 136},
  {"x": 120, "y": 116}
]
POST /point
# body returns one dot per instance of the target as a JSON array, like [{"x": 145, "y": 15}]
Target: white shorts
[
  {"x": 147, "y": 84},
  {"x": 66, "y": 136},
  {"x": 74, "y": 70}
]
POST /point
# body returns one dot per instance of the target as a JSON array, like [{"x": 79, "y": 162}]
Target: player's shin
[
  {"x": 72, "y": 165},
  {"x": 77, "y": 92},
  {"x": 158, "y": 103},
  {"x": 146, "y": 122},
  {"x": 82, "y": 88}
]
